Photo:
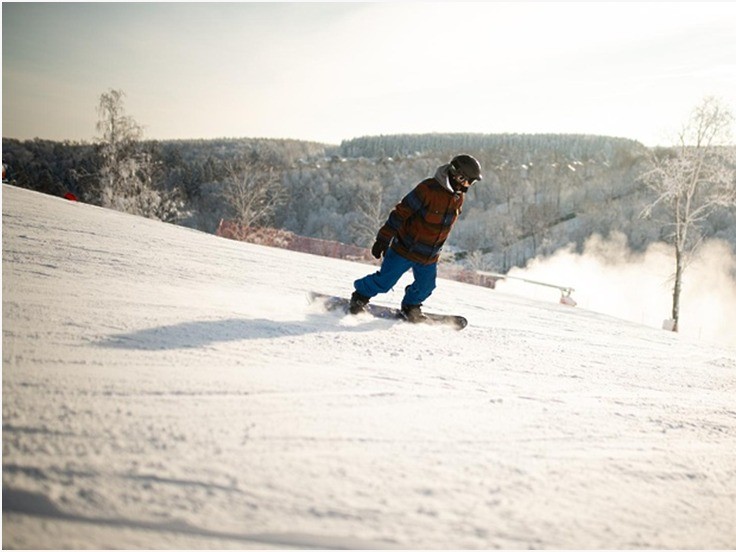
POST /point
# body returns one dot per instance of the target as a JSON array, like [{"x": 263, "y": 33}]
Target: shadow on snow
[
  {"x": 200, "y": 333},
  {"x": 38, "y": 505}
]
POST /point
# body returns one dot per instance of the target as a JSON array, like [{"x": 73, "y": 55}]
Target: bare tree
[
  {"x": 691, "y": 181},
  {"x": 253, "y": 192},
  {"x": 476, "y": 261},
  {"x": 507, "y": 233},
  {"x": 536, "y": 219},
  {"x": 370, "y": 214}
]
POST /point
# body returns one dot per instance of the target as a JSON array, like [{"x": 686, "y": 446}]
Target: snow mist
[{"x": 610, "y": 278}]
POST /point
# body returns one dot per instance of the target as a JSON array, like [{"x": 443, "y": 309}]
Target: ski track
[{"x": 164, "y": 388}]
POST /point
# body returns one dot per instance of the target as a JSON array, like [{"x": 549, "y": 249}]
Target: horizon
[
  {"x": 327, "y": 73},
  {"x": 337, "y": 144}
]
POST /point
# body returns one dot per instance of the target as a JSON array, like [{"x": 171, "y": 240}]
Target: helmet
[{"x": 467, "y": 166}]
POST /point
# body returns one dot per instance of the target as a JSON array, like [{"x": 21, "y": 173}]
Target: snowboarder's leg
[
  {"x": 392, "y": 269},
  {"x": 425, "y": 280}
]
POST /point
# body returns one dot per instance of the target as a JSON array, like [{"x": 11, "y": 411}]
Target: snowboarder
[{"x": 414, "y": 234}]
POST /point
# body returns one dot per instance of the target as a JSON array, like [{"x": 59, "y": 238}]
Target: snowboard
[{"x": 334, "y": 303}]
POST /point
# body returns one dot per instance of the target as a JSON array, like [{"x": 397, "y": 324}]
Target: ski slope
[{"x": 165, "y": 388}]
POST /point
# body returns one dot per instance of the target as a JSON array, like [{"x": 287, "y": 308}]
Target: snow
[
  {"x": 608, "y": 277},
  {"x": 165, "y": 388}
]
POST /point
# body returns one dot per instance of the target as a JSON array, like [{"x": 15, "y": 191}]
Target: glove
[{"x": 379, "y": 248}]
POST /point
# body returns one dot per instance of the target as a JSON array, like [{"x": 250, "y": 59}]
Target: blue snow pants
[{"x": 392, "y": 269}]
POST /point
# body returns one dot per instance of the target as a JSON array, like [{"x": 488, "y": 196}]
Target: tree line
[{"x": 539, "y": 192}]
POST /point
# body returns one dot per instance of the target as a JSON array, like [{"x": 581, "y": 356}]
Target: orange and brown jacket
[{"x": 420, "y": 223}]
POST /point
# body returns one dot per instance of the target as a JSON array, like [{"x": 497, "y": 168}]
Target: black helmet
[{"x": 466, "y": 165}]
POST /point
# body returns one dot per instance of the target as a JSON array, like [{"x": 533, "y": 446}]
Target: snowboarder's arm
[{"x": 410, "y": 204}]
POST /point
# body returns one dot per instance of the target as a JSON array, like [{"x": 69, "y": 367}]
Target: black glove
[{"x": 379, "y": 248}]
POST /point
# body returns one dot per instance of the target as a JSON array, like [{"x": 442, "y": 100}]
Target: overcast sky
[{"x": 333, "y": 71}]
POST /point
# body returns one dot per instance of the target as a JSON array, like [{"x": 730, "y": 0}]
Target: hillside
[
  {"x": 540, "y": 193},
  {"x": 165, "y": 388}
]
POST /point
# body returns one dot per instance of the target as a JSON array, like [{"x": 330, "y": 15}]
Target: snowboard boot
[
  {"x": 358, "y": 303},
  {"x": 413, "y": 313}
]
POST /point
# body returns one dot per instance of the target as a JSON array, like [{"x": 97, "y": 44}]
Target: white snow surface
[{"x": 166, "y": 388}]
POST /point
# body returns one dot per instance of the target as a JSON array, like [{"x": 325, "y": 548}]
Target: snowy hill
[{"x": 164, "y": 388}]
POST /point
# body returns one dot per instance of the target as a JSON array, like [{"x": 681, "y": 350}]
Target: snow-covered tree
[
  {"x": 120, "y": 172},
  {"x": 127, "y": 171},
  {"x": 691, "y": 181}
]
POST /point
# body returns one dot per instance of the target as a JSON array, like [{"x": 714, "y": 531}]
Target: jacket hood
[{"x": 443, "y": 177}]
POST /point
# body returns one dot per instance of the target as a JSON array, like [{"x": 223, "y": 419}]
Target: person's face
[{"x": 461, "y": 182}]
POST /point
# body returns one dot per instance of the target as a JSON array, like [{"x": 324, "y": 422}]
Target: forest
[{"x": 539, "y": 192}]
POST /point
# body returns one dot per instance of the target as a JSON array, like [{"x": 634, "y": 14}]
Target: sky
[{"x": 329, "y": 72}]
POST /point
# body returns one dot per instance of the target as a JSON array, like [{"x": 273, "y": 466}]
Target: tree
[
  {"x": 369, "y": 213},
  {"x": 536, "y": 220},
  {"x": 253, "y": 192},
  {"x": 127, "y": 172},
  {"x": 118, "y": 129},
  {"x": 691, "y": 181},
  {"x": 119, "y": 133}
]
